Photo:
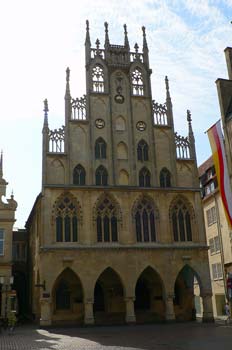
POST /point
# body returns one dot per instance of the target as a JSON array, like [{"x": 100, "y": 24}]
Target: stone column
[
  {"x": 170, "y": 313},
  {"x": 130, "y": 312},
  {"x": 207, "y": 306},
  {"x": 45, "y": 305},
  {"x": 89, "y": 318}
]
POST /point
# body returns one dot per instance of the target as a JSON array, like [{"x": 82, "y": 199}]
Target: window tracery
[
  {"x": 144, "y": 177},
  {"x": 98, "y": 78},
  {"x": 100, "y": 148},
  {"x": 79, "y": 175},
  {"x": 101, "y": 176},
  {"x": 145, "y": 216},
  {"x": 137, "y": 82},
  {"x": 142, "y": 151},
  {"x": 165, "y": 178},
  {"x": 107, "y": 220},
  {"x": 181, "y": 221}
]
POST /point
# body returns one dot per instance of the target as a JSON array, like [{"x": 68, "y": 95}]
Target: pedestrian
[{"x": 227, "y": 312}]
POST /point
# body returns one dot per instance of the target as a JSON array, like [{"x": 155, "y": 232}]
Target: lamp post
[{"x": 6, "y": 282}]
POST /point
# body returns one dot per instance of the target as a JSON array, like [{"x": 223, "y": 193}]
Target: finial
[
  {"x": 87, "y": 38},
  {"x": 67, "y": 74},
  {"x": 1, "y": 164},
  {"x": 136, "y": 47},
  {"x": 12, "y": 194},
  {"x": 126, "y": 42},
  {"x": 45, "y": 112},
  {"x": 97, "y": 44},
  {"x": 144, "y": 38},
  {"x": 189, "y": 119},
  {"x": 67, "y": 92},
  {"x": 167, "y": 88},
  {"x": 107, "y": 40}
]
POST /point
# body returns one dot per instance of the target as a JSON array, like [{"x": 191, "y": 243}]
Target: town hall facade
[{"x": 117, "y": 233}]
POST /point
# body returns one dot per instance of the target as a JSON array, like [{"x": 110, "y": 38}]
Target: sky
[{"x": 40, "y": 38}]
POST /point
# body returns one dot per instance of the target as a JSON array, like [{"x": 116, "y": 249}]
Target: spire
[
  {"x": 87, "y": 38},
  {"x": 67, "y": 91},
  {"x": 45, "y": 125},
  {"x": 107, "y": 40},
  {"x": 145, "y": 47},
  {"x": 191, "y": 136},
  {"x": 168, "y": 103},
  {"x": 126, "y": 41},
  {"x": 1, "y": 165},
  {"x": 168, "y": 97}
]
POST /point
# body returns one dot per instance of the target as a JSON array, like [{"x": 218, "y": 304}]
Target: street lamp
[{"x": 6, "y": 282}]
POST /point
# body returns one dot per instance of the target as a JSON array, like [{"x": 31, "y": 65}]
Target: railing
[
  {"x": 159, "y": 113},
  {"x": 78, "y": 108},
  {"x": 56, "y": 140},
  {"x": 182, "y": 147}
]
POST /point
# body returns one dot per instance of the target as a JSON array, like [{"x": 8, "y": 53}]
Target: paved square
[{"x": 182, "y": 336}]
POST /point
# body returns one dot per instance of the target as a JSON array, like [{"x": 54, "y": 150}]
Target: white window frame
[
  {"x": 211, "y": 216},
  {"x": 214, "y": 245},
  {"x": 217, "y": 271}
]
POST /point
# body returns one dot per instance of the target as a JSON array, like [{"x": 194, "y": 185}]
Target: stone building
[
  {"x": 117, "y": 233},
  {"x": 218, "y": 236},
  {"x": 7, "y": 219}
]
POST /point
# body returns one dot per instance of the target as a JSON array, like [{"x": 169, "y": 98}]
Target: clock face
[
  {"x": 141, "y": 126},
  {"x": 99, "y": 123}
]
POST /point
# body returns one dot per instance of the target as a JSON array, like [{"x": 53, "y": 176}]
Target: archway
[
  {"x": 109, "y": 305},
  {"x": 187, "y": 300},
  {"x": 67, "y": 298},
  {"x": 149, "y": 301}
]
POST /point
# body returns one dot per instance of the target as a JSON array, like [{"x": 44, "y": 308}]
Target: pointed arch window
[
  {"x": 181, "y": 222},
  {"x": 100, "y": 148},
  {"x": 79, "y": 175},
  {"x": 137, "y": 82},
  {"x": 107, "y": 221},
  {"x": 66, "y": 220},
  {"x": 142, "y": 151},
  {"x": 145, "y": 221},
  {"x": 165, "y": 178},
  {"x": 144, "y": 178},
  {"x": 98, "y": 78},
  {"x": 101, "y": 176}
]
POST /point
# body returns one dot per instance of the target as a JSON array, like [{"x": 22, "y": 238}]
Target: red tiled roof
[{"x": 205, "y": 166}]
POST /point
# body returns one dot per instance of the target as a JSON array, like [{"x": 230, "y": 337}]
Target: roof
[{"x": 205, "y": 166}]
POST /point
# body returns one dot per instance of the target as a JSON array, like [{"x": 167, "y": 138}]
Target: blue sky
[{"x": 39, "y": 39}]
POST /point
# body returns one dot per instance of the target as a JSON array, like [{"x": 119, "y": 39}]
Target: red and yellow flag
[{"x": 219, "y": 158}]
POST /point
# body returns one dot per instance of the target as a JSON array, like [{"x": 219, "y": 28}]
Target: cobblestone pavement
[{"x": 182, "y": 336}]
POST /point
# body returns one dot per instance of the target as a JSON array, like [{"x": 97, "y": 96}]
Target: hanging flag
[{"x": 219, "y": 158}]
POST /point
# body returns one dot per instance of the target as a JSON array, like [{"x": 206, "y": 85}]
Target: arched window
[
  {"x": 66, "y": 220},
  {"x": 181, "y": 221},
  {"x": 100, "y": 148},
  {"x": 106, "y": 221},
  {"x": 165, "y": 178},
  {"x": 144, "y": 178},
  {"x": 98, "y": 78},
  {"x": 144, "y": 215},
  {"x": 101, "y": 176},
  {"x": 79, "y": 175},
  {"x": 142, "y": 151},
  {"x": 137, "y": 82},
  {"x": 63, "y": 296}
]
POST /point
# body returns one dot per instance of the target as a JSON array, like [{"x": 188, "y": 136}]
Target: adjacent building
[{"x": 117, "y": 233}]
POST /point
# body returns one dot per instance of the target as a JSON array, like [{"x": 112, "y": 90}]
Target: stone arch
[
  {"x": 123, "y": 177},
  {"x": 120, "y": 123},
  {"x": 109, "y": 305},
  {"x": 67, "y": 298},
  {"x": 122, "y": 151},
  {"x": 110, "y": 197},
  {"x": 186, "y": 283},
  {"x": 149, "y": 296}
]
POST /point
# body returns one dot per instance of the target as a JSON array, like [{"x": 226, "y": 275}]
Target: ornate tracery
[
  {"x": 137, "y": 82},
  {"x": 98, "y": 78},
  {"x": 181, "y": 216}
]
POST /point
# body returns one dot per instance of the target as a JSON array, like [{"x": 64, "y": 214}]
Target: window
[
  {"x": 211, "y": 216},
  {"x": 181, "y": 222},
  {"x": 217, "y": 271},
  {"x": 145, "y": 221},
  {"x": 1, "y": 241},
  {"x": 100, "y": 149},
  {"x": 98, "y": 78},
  {"x": 165, "y": 178},
  {"x": 214, "y": 245},
  {"x": 79, "y": 175},
  {"x": 66, "y": 220},
  {"x": 142, "y": 151},
  {"x": 210, "y": 188},
  {"x": 106, "y": 221},
  {"x": 101, "y": 176},
  {"x": 137, "y": 82},
  {"x": 144, "y": 178}
]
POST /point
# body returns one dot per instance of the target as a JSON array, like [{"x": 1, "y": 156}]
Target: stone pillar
[
  {"x": 207, "y": 306},
  {"x": 45, "y": 306},
  {"x": 89, "y": 318},
  {"x": 170, "y": 313},
  {"x": 130, "y": 311}
]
